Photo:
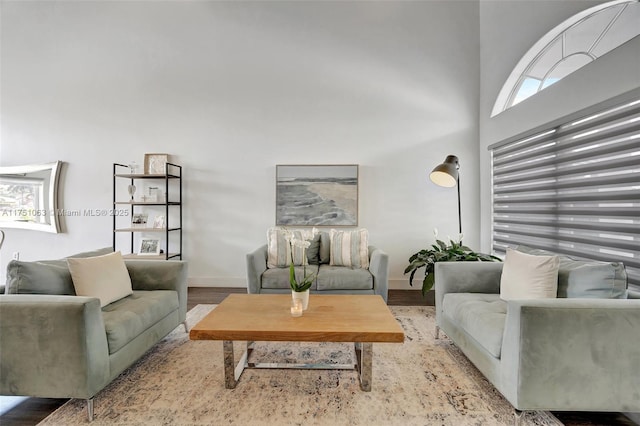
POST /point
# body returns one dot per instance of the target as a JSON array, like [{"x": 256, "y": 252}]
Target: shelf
[
  {"x": 141, "y": 229},
  {"x": 134, "y": 256},
  {"x": 143, "y": 176},
  {"x": 147, "y": 203}
]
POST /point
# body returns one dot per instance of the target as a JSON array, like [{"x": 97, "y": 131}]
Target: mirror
[{"x": 29, "y": 197}]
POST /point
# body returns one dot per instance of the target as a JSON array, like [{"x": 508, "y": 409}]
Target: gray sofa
[
  {"x": 58, "y": 345},
  {"x": 577, "y": 352},
  {"x": 329, "y": 279}
]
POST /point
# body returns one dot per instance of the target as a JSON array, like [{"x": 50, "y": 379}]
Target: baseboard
[
  {"x": 403, "y": 284},
  {"x": 635, "y": 417},
  {"x": 238, "y": 282},
  {"x": 217, "y": 282}
]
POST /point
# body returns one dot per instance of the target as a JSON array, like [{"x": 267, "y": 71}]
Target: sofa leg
[
  {"x": 90, "y": 409},
  {"x": 186, "y": 329},
  {"x": 519, "y": 415},
  {"x": 437, "y": 332}
]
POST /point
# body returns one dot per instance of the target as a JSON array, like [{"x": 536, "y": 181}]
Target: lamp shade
[{"x": 446, "y": 174}]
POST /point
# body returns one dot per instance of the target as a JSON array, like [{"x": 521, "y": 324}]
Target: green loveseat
[
  {"x": 54, "y": 344},
  {"x": 329, "y": 279},
  {"x": 576, "y": 352}
]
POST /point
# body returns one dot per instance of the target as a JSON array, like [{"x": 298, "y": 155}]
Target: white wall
[
  {"x": 504, "y": 39},
  {"x": 231, "y": 89}
]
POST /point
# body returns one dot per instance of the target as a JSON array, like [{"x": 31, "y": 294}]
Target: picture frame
[
  {"x": 139, "y": 220},
  {"x": 317, "y": 195},
  {"x": 159, "y": 221},
  {"x": 155, "y": 163},
  {"x": 149, "y": 247},
  {"x": 153, "y": 192}
]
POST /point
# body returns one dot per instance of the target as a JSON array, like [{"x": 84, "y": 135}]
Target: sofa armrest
[
  {"x": 379, "y": 268},
  {"x": 52, "y": 346},
  {"x": 256, "y": 265},
  {"x": 161, "y": 275},
  {"x": 572, "y": 354},
  {"x": 633, "y": 294},
  {"x": 465, "y": 277}
]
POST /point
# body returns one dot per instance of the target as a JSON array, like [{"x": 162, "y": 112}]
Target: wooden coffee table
[{"x": 362, "y": 320}]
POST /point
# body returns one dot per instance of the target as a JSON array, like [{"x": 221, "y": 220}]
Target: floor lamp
[{"x": 446, "y": 174}]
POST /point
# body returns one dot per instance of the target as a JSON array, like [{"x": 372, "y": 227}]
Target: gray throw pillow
[
  {"x": 325, "y": 248},
  {"x": 313, "y": 251},
  {"x": 587, "y": 278},
  {"x": 46, "y": 277}
]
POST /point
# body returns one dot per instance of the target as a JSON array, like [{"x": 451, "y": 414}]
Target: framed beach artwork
[{"x": 317, "y": 195}]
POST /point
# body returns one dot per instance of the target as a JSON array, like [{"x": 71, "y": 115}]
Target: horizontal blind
[{"x": 573, "y": 189}]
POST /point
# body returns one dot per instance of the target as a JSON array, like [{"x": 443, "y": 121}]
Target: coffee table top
[{"x": 329, "y": 318}]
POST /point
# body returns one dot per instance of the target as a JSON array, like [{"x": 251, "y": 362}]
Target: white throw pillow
[
  {"x": 349, "y": 248},
  {"x": 525, "y": 276},
  {"x": 105, "y": 277}
]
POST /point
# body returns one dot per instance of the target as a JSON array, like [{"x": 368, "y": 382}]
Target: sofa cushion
[
  {"x": 278, "y": 248},
  {"x": 127, "y": 318},
  {"x": 350, "y": 248},
  {"x": 587, "y": 278},
  {"x": 344, "y": 278},
  {"x": 44, "y": 276},
  {"x": 481, "y": 316},
  {"x": 313, "y": 251},
  {"x": 279, "y": 251},
  {"x": 279, "y": 277},
  {"x": 325, "y": 248},
  {"x": 526, "y": 276},
  {"x": 105, "y": 277},
  {"x": 93, "y": 253}
]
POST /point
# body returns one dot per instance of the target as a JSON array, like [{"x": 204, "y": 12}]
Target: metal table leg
[
  {"x": 364, "y": 357},
  {"x": 229, "y": 376},
  {"x": 232, "y": 373}
]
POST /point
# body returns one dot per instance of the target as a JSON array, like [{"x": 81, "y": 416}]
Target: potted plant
[
  {"x": 441, "y": 252},
  {"x": 300, "y": 290}
]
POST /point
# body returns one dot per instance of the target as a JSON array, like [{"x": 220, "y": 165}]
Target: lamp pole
[
  {"x": 447, "y": 174},
  {"x": 459, "y": 209}
]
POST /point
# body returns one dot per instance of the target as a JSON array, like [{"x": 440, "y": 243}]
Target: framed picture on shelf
[
  {"x": 139, "y": 220},
  {"x": 149, "y": 247},
  {"x": 155, "y": 164},
  {"x": 158, "y": 222},
  {"x": 153, "y": 192}
]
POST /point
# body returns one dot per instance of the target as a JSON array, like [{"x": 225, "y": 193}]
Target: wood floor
[{"x": 31, "y": 411}]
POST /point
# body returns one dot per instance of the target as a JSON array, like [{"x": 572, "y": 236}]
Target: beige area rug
[{"x": 420, "y": 382}]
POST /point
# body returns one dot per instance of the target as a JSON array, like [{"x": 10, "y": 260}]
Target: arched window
[{"x": 569, "y": 46}]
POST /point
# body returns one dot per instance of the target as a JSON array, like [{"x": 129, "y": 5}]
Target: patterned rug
[{"x": 420, "y": 382}]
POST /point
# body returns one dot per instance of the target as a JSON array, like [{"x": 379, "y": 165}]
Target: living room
[{"x": 231, "y": 89}]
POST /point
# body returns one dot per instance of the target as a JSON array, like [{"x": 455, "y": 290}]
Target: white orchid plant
[{"x": 307, "y": 280}]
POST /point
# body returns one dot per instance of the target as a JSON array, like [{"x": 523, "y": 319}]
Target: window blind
[{"x": 573, "y": 188}]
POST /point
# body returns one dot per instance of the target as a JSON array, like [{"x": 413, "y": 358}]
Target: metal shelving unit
[{"x": 173, "y": 225}]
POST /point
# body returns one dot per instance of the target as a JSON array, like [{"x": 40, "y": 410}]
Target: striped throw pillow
[
  {"x": 279, "y": 249},
  {"x": 350, "y": 248}
]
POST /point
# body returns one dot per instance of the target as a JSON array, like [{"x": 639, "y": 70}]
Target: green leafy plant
[
  {"x": 441, "y": 252},
  {"x": 303, "y": 285}
]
